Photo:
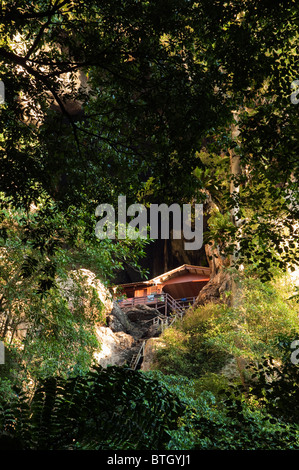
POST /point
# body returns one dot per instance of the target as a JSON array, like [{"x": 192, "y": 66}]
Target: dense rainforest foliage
[{"x": 161, "y": 101}]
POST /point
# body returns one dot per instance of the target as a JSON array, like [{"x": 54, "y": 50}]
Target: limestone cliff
[{"x": 124, "y": 329}]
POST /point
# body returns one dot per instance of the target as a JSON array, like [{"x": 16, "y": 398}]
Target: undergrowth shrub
[
  {"x": 275, "y": 386},
  {"x": 185, "y": 350},
  {"x": 113, "y": 408},
  {"x": 117, "y": 408},
  {"x": 228, "y": 422},
  {"x": 212, "y": 336}
]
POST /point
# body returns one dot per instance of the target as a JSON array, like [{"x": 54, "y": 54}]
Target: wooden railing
[
  {"x": 163, "y": 321},
  {"x": 136, "y": 358},
  {"x": 160, "y": 302}
]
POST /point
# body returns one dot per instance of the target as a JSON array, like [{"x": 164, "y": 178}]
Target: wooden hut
[{"x": 184, "y": 282}]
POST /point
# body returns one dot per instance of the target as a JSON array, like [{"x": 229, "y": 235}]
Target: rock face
[
  {"x": 115, "y": 339},
  {"x": 125, "y": 332},
  {"x": 136, "y": 321},
  {"x": 84, "y": 276},
  {"x": 150, "y": 349},
  {"x": 102, "y": 291},
  {"x": 115, "y": 347},
  {"x": 141, "y": 318},
  {"x": 117, "y": 320}
]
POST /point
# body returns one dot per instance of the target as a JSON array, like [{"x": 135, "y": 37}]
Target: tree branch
[
  {"x": 11, "y": 56},
  {"x": 38, "y": 38},
  {"x": 17, "y": 15}
]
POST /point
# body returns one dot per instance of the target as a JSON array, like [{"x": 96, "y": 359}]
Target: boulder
[
  {"x": 117, "y": 320},
  {"x": 141, "y": 317},
  {"x": 140, "y": 313},
  {"x": 115, "y": 347},
  {"x": 151, "y": 346}
]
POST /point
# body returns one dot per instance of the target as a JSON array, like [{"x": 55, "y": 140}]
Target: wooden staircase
[
  {"x": 169, "y": 305},
  {"x": 136, "y": 357}
]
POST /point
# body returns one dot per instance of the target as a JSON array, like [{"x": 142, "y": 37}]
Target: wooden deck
[{"x": 165, "y": 303}]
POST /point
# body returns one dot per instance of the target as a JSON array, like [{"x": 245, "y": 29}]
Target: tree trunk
[
  {"x": 221, "y": 287},
  {"x": 220, "y": 281},
  {"x": 214, "y": 290}
]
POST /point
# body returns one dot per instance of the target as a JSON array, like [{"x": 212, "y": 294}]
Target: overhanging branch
[{"x": 17, "y": 15}]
